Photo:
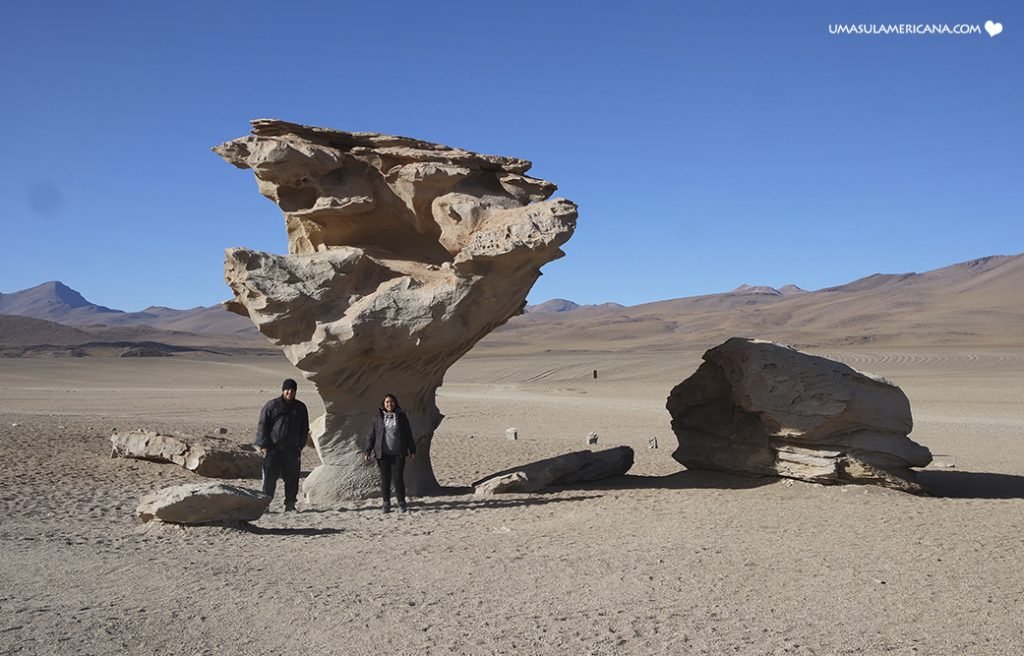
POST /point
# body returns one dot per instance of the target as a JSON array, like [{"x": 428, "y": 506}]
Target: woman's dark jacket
[{"x": 375, "y": 439}]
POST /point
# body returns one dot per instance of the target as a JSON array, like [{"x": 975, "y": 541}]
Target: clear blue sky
[{"x": 706, "y": 144}]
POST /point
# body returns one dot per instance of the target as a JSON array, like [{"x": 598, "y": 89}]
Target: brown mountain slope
[
  {"x": 213, "y": 320},
  {"x": 54, "y": 301},
  {"x": 26, "y": 331},
  {"x": 979, "y": 303},
  {"x": 26, "y": 336}
]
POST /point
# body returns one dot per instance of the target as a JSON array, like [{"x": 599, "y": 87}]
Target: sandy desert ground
[{"x": 663, "y": 561}]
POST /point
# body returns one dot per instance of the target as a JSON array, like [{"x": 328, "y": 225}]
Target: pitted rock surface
[
  {"x": 214, "y": 457},
  {"x": 756, "y": 407}
]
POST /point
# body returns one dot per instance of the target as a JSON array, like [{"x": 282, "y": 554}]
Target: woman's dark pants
[{"x": 392, "y": 467}]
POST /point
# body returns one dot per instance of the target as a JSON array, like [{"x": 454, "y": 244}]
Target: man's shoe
[
  {"x": 386, "y": 509},
  {"x": 290, "y": 508},
  {"x": 402, "y": 509}
]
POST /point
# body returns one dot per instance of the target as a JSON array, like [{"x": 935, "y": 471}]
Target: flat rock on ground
[
  {"x": 576, "y": 467},
  {"x": 214, "y": 457},
  {"x": 203, "y": 503}
]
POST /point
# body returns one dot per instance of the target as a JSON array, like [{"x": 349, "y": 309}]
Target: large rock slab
[
  {"x": 576, "y": 467},
  {"x": 203, "y": 503},
  {"x": 402, "y": 254},
  {"x": 755, "y": 407},
  {"x": 214, "y": 457}
]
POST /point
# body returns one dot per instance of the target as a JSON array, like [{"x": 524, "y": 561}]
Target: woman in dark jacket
[{"x": 390, "y": 441}]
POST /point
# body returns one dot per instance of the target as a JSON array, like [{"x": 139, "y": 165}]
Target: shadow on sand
[
  {"x": 689, "y": 479},
  {"x": 462, "y": 498},
  {"x": 308, "y": 532},
  {"x": 939, "y": 484},
  {"x": 972, "y": 485},
  {"x": 472, "y": 502}
]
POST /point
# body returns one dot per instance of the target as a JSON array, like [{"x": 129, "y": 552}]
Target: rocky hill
[
  {"x": 54, "y": 301},
  {"x": 980, "y": 303}
]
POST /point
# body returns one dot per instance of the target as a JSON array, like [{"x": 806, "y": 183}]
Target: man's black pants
[
  {"x": 286, "y": 465},
  {"x": 392, "y": 467}
]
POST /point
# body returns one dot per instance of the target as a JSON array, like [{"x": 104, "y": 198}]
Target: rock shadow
[
  {"x": 940, "y": 484},
  {"x": 500, "y": 501},
  {"x": 462, "y": 498},
  {"x": 308, "y": 532},
  {"x": 971, "y": 485},
  {"x": 695, "y": 479}
]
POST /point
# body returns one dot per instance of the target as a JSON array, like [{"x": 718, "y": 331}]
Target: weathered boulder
[
  {"x": 402, "y": 254},
  {"x": 203, "y": 503},
  {"x": 760, "y": 408},
  {"x": 215, "y": 457},
  {"x": 576, "y": 467}
]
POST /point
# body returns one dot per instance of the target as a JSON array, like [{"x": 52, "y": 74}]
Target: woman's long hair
[{"x": 398, "y": 406}]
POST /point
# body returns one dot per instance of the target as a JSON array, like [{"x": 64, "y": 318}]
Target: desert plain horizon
[{"x": 662, "y": 560}]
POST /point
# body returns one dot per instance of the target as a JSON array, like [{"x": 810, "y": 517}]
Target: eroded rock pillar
[{"x": 402, "y": 254}]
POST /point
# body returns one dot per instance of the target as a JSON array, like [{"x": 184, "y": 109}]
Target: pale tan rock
[
  {"x": 203, "y": 503},
  {"x": 760, "y": 408},
  {"x": 215, "y": 457},
  {"x": 576, "y": 467},
  {"x": 402, "y": 254}
]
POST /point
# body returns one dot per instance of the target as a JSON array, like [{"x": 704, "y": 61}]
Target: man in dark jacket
[{"x": 282, "y": 433}]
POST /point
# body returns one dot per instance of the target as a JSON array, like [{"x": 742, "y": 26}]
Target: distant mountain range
[
  {"x": 976, "y": 303},
  {"x": 25, "y": 336},
  {"x": 751, "y": 290},
  {"x": 54, "y": 320},
  {"x": 980, "y": 302},
  {"x": 55, "y": 301},
  {"x": 562, "y": 305}
]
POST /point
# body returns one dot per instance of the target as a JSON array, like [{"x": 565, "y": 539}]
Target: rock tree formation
[
  {"x": 759, "y": 408},
  {"x": 402, "y": 254}
]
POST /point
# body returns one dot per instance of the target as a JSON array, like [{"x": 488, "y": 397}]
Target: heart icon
[{"x": 993, "y": 28}]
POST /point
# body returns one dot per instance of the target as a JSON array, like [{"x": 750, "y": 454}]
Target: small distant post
[
  {"x": 595, "y": 374},
  {"x": 512, "y": 434}
]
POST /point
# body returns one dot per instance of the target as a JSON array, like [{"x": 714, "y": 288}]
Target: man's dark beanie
[{"x": 289, "y": 384}]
